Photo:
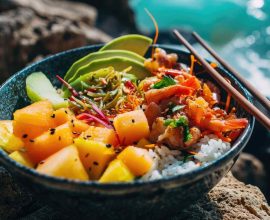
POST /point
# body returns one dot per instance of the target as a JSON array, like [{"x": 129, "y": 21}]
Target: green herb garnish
[
  {"x": 183, "y": 122},
  {"x": 186, "y": 157},
  {"x": 165, "y": 82}
]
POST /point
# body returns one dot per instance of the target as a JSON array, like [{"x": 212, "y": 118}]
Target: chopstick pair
[{"x": 249, "y": 107}]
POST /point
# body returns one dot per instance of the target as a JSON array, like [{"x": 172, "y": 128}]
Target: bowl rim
[{"x": 119, "y": 188}]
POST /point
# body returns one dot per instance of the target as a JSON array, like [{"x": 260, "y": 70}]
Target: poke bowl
[{"x": 175, "y": 177}]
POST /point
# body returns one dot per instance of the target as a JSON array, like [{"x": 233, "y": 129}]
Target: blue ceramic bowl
[{"x": 156, "y": 199}]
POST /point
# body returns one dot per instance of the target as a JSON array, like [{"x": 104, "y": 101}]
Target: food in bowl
[{"x": 120, "y": 117}]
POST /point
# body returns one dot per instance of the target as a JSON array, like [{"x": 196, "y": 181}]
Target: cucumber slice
[
  {"x": 132, "y": 42},
  {"x": 100, "y": 55},
  {"x": 39, "y": 87}
]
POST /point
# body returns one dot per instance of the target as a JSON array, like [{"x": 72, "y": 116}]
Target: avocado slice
[
  {"x": 132, "y": 42},
  {"x": 100, "y": 55},
  {"x": 39, "y": 87},
  {"x": 118, "y": 63}
]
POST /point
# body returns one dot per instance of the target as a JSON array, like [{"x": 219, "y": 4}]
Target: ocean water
[{"x": 239, "y": 30}]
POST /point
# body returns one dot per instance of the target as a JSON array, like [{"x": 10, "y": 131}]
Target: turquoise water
[{"x": 238, "y": 29}]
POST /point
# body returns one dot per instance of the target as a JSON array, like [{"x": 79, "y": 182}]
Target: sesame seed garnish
[
  {"x": 108, "y": 145},
  {"x": 42, "y": 162},
  {"x": 25, "y": 135},
  {"x": 53, "y": 115},
  {"x": 31, "y": 140},
  {"x": 133, "y": 121},
  {"x": 52, "y": 131},
  {"x": 95, "y": 163},
  {"x": 59, "y": 138},
  {"x": 86, "y": 155}
]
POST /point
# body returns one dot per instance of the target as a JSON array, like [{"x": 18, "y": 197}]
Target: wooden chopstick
[
  {"x": 264, "y": 101},
  {"x": 225, "y": 85}
]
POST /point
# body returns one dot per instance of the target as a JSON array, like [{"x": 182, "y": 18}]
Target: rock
[
  {"x": 43, "y": 27},
  {"x": 115, "y": 16},
  {"x": 230, "y": 199},
  {"x": 250, "y": 170}
]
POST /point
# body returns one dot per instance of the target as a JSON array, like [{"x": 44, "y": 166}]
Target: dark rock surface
[
  {"x": 251, "y": 170},
  {"x": 29, "y": 29},
  {"x": 230, "y": 199}
]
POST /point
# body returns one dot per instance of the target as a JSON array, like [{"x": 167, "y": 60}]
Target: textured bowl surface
[{"x": 156, "y": 199}]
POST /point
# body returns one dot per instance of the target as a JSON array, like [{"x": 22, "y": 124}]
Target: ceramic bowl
[{"x": 156, "y": 199}]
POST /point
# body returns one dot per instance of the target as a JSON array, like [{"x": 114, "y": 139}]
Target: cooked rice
[{"x": 171, "y": 162}]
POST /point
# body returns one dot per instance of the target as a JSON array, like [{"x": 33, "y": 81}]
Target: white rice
[{"x": 171, "y": 162}]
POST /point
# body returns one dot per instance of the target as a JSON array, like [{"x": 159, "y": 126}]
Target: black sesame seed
[
  {"x": 41, "y": 162},
  {"x": 52, "y": 131},
  {"x": 74, "y": 132},
  {"x": 31, "y": 140},
  {"x": 59, "y": 138},
  {"x": 85, "y": 138},
  {"x": 133, "y": 121},
  {"x": 108, "y": 145},
  {"x": 95, "y": 163},
  {"x": 66, "y": 111},
  {"x": 86, "y": 155},
  {"x": 135, "y": 142},
  {"x": 25, "y": 136},
  {"x": 53, "y": 115},
  {"x": 88, "y": 136}
]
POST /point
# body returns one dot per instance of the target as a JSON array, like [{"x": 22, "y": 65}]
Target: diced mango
[
  {"x": 8, "y": 141},
  {"x": 95, "y": 156},
  {"x": 138, "y": 160},
  {"x": 143, "y": 143},
  {"x": 38, "y": 113},
  {"x": 33, "y": 120},
  {"x": 26, "y": 131},
  {"x": 64, "y": 163},
  {"x": 61, "y": 116},
  {"x": 101, "y": 134},
  {"x": 117, "y": 171},
  {"x": 64, "y": 115},
  {"x": 131, "y": 127},
  {"x": 22, "y": 158},
  {"x": 50, "y": 142},
  {"x": 78, "y": 126}
]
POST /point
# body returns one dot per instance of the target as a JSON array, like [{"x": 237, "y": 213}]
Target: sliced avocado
[
  {"x": 133, "y": 42},
  {"x": 118, "y": 63},
  {"x": 39, "y": 87},
  {"x": 100, "y": 55}
]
